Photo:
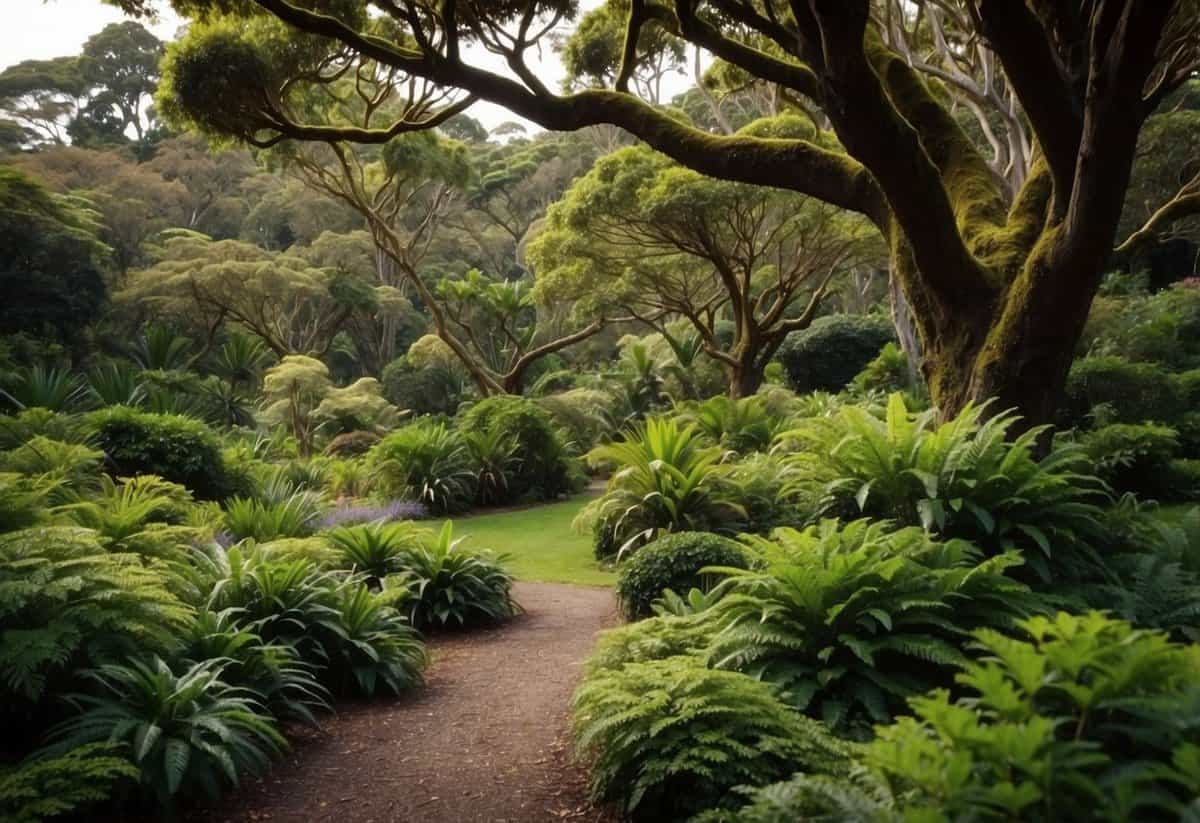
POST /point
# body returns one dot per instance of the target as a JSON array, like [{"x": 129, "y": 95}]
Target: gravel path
[{"x": 485, "y": 739}]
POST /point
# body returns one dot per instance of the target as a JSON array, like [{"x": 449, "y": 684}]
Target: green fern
[
  {"x": 65, "y": 602},
  {"x": 670, "y": 738},
  {"x": 42, "y": 787}
]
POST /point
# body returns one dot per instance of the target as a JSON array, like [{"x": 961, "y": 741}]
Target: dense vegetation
[{"x": 895, "y": 405}]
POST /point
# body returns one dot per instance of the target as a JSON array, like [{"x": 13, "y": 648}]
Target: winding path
[{"x": 485, "y": 739}]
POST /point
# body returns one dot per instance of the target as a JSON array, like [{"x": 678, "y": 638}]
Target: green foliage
[
  {"x": 828, "y": 354},
  {"x": 375, "y": 549},
  {"x": 963, "y": 478},
  {"x": 674, "y": 561},
  {"x": 23, "y": 501},
  {"x": 544, "y": 469},
  {"x": 493, "y": 452},
  {"x": 161, "y": 348},
  {"x": 425, "y": 462},
  {"x": 1112, "y": 389},
  {"x": 376, "y": 649},
  {"x": 848, "y": 622},
  {"x": 454, "y": 586},
  {"x": 115, "y": 384},
  {"x": 1089, "y": 715},
  {"x": 176, "y": 448},
  {"x": 43, "y": 787},
  {"x": 670, "y": 738},
  {"x": 741, "y": 426},
  {"x": 69, "y": 466},
  {"x": 263, "y": 519},
  {"x": 65, "y": 601},
  {"x": 655, "y": 638},
  {"x": 665, "y": 480},
  {"x": 582, "y": 414},
  {"x": 285, "y": 683},
  {"x": 888, "y": 372},
  {"x": 188, "y": 732},
  {"x": 431, "y": 389},
  {"x": 121, "y": 510},
  {"x": 1134, "y": 457},
  {"x": 38, "y": 387},
  {"x": 30, "y": 423},
  {"x": 1162, "y": 328}
]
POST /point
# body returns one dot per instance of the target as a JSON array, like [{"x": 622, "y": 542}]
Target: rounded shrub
[
  {"x": 176, "y": 448},
  {"x": 1114, "y": 390},
  {"x": 421, "y": 390},
  {"x": 672, "y": 562},
  {"x": 1133, "y": 457},
  {"x": 544, "y": 469},
  {"x": 833, "y": 350}
]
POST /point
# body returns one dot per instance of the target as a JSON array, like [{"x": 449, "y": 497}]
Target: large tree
[
  {"x": 745, "y": 265},
  {"x": 999, "y": 285}
]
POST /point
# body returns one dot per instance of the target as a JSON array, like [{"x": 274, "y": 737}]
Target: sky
[{"x": 39, "y": 29}]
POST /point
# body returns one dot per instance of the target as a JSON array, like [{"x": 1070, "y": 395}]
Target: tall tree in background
[{"x": 999, "y": 287}]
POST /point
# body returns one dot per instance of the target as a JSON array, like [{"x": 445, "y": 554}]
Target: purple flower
[{"x": 349, "y": 514}]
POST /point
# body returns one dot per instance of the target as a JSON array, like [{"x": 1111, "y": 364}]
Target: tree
[
  {"x": 52, "y": 264},
  {"x": 282, "y": 299},
  {"x": 39, "y": 97},
  {"x": 642, "y": 233},
  {"x": 999, "y": 287},
  {"x": 118, "y": 67},
  {"x": 212, "y": 200}
]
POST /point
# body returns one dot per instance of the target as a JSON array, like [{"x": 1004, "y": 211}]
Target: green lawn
[{"x": 540, "y": 543}]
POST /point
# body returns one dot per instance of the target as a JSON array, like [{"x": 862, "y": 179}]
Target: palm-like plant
[
  {"x": 161, "y": 348},
  {"x": 228, "y": 404},
  {"x": 70, "y": 467},
  {"x": 665, "y": 480},
  {"x": 377, "y": 647},
  {"x": 241, "y": 359},
  {"x": 55, "y": 389},
  {"x": 188, "y": 732},
  {"x": 428, "y": 463},
  {"x": 493, "y": 453},
  {"x": 376, "y": 549},
  {"x": 454, "y": 586},
  {"x": 115, "y": 384},
  {"x": 264, "y": 519},
  {"x": 741, "y": 425},
  {"x": 963, "y": 478},
  {"x": 287, "y": 684},
  {"x": 123, "y": 509}
]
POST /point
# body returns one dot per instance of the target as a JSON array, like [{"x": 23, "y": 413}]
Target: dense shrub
[
  {"x": 189, "y": 732},
  {"x": 350, "y": 444},
  {"x": 40, "y": 787},
  {"x": 888, "y": 372},
  {"x": 422, "y": 390},
  {"x": 665, "y": 479},
  {"x": 454, "y": 586},
  {"x": 670, "y": 738},
  {"x": 583, "y": 414},
  {"x": 828, "y": 354},
  {"x": 743, "y": 425},
  {"x": 427, "y": 463},
  {"x": 544, "y": 469},
  {"x": 1162, "y": 328},
  {"x": 672, "y": 561},
  {"x": 963, "y": 478},
  {"x": 1114, "y": 390},
  {"x": 848, "y": 622},
  {"x": 1134, "y": 457},
  {"x": 69, "y": 467},
  {"x": 176, "y": 448},
  {"x": 375, "y": 549},
  {"x": 295, "y": 515},
  {"x": 67, "y": 602}
]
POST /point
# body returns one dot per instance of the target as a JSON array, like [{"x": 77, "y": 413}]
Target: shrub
[
  {"x": 1088, "y": 714},
  {"x": 121, "y": 510},
  {"x": 375, "y": 648},
  {"x": 1134, "y": 457},
  {"x": 176, "y": 448},
  {"x": 1162, "y": 328},
  {"x": 544, "y": 469},
  {"x": 742, "y": 425},
  {"x": 351, "y": 444},
  {"x": 756, "y": 483},
  {"x": 1127, "y": 392},
  {"x": 57, "y": 390},
  {"x": 115, "y": 384},
  {"x": 888, "y": 372},
  {"x": 1184, "y": 479},
  {"x": 670, "y": 738},
  {"x": 351, "y": 513},
  {"x": 189, "y": 733},
  {"x": 848, "y": 622},
  {"x": 23, "y": 501},
  {"x": 262, "y": 520},
  {"x": 427, "y": 463},
  {"x": 375, "y": 549},
  {"x": 665, "y": 480},
  {"x": 66, "y": 602},
  {"x": 964, "y": 478},
  {"x": 655, "y": 638},
  {"x": 673, "y": 561},
  {"x": 423, "y": 390},
  {"x": 582, "y": 413},
  {"x": 494, "y": 455},
  {"x": 24, "y": 426},
  {"x": 828, "y": 354},
  {"x": 451, "y": 585},
  {"x": 285, "y": 683},
  {"x": 70, "y": 467},
  {"x": 39, "y": 788}
]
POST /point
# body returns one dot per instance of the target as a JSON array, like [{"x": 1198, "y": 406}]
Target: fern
[
  {"x": 848, "y": 622},
  {"x": 670, "y": 738},
  {"x": 65, "y": 601},
  {"x": 42, "y": 787}
]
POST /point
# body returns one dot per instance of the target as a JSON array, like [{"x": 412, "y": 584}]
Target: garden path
[{"x": 485, "y": 739}]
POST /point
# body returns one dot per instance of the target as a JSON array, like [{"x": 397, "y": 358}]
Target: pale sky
[{"x": 39, "y": 29}]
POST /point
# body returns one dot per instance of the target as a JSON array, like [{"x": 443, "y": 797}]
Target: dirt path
[{"x": 485, "y": 739}]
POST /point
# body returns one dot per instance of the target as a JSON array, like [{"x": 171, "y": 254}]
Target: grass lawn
[{"x": 540, "y": 542}]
